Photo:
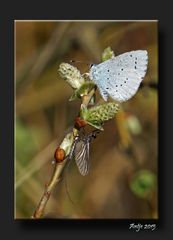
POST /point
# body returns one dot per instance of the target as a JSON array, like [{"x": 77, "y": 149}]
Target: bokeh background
[{"x": 122, "y": 182}]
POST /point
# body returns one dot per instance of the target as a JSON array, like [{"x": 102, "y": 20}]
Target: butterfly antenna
[{"x": 77, "y": 61}]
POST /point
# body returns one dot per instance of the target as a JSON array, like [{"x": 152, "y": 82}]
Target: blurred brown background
[{"x": 122, "y": 182}]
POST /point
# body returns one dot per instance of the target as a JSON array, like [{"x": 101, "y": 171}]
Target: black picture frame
[{"x": 43, "y": 229}]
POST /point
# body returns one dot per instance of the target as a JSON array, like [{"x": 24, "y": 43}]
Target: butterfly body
[{"x": 120, "y": 76}]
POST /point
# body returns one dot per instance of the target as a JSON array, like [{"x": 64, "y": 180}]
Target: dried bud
[
  {"x": 71, "y": 74},
  {"x": 59, "y": 155},
  {"x": 79, "y": 123}
]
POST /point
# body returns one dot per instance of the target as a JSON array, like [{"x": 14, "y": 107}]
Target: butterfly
[{"x": 120, "y": 76}]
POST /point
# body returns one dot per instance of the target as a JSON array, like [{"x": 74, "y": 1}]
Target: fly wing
[{"x": 81, "y": 155}]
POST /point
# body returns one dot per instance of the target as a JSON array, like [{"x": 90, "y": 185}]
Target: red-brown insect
[{"x": 59, "y": 155}]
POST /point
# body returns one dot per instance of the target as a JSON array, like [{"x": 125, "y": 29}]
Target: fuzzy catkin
[
  {"x": 71, "y": 74},
  {"x": 102, "y": 112}
]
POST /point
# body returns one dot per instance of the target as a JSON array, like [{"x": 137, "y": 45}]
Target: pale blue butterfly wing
[{"x": 120, "y": 77}]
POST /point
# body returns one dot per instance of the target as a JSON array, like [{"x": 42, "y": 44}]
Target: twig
[{"x": 58, "y": 169}]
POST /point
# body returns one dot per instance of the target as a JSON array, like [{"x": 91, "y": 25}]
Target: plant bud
[
  {"x": 71, "y": 74},
  {"x": 59, "y": 155},
  {"x": 96, "y": 116}
]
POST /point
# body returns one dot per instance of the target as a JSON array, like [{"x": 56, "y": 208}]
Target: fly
[{"x": 80, "y": 150}]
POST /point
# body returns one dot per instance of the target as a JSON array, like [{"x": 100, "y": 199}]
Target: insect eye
[{"x": 91, "y": 65}]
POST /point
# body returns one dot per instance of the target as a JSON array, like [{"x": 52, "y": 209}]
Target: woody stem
[{"x": 58, "y": 169}]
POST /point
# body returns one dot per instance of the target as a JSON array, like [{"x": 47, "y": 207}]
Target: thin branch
[{"x": 58, "y": 169}]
